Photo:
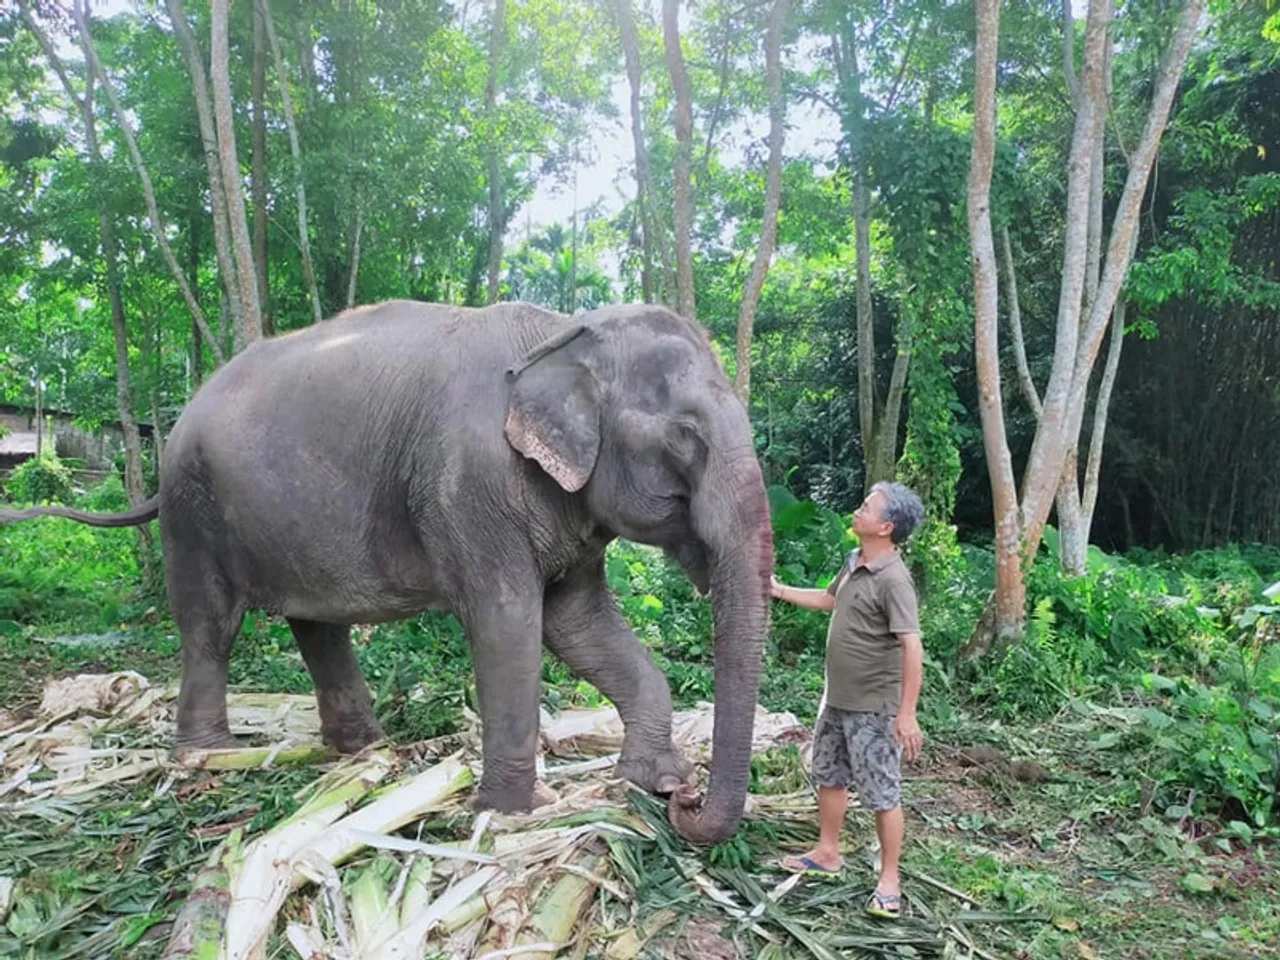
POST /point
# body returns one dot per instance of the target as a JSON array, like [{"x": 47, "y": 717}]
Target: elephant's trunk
[{"x": 731, "y": 514}]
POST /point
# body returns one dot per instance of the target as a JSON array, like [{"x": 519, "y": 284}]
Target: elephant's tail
[{"x": 130, "y": 518}]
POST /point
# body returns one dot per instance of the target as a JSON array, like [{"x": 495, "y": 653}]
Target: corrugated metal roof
[{"x": 18, "y": 444}]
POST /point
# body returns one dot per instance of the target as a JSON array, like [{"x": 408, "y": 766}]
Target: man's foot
[
  {"x": 885, "y": 905},
  {"x": 813, "y": 866}
]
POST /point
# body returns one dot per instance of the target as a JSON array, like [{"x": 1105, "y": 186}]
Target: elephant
[{"x": 407, "y": 456}]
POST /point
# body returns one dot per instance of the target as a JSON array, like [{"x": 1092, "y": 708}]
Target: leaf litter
[{"x": 281, "y": 849}]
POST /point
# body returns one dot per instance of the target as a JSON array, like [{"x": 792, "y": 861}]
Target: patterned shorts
[{"x": 855, "y": 749}]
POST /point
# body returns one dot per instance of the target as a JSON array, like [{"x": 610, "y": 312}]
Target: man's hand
[
  {"x": 907, "y": 734},
  {"x": 775, "y": 588}
]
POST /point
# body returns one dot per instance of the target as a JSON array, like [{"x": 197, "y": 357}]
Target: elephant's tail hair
[{"x": 130, "y": 518}]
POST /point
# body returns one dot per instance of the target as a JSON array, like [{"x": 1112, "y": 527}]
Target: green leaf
[{"x": 1197, "y": 883}]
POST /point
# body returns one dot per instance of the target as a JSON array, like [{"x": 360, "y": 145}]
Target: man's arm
[
  {"x": 906, "y": 729},
  {"x": 809, "y": 599}
]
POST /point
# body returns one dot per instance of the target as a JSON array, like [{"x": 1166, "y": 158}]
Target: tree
[
  {"x": 110, "y": 246},
  {"x": 685, "y": 301},
  {"x": 497, "y": 225},
  {"x": 1020, "y": 517},
  {"x": 217, "y": 193},
  {"x": 295, "y": 151},
  {"x": 250, "y": 325},
  {"x": 258, "y": 96},
  {"x": 772, "y": 199}
]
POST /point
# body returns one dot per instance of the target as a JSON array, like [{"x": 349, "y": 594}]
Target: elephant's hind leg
[
  {"x": 347, "y": 722},
  {"x": 584, "y": 628},
  {"x": 208, "y": 615}
]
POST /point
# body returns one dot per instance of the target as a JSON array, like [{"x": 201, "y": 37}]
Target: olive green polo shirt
[{"x": 874, "y": 603}]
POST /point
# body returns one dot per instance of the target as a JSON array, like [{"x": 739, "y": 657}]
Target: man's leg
[
  {"x": 831, "y": 771},
  {"x": 890, "y": 827},
  {"x": 875, "y": 762}
]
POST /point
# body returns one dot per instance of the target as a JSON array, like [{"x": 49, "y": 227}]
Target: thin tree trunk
[
  {"x": 1025, "y": 380},
  {"x": 39, "y": 415},
  {"x": 110, "y": 253},
  {"x": 353, "y": 271},
  {"x": 153, "y": 211},
  {"x": 865, "y": 319},
  {"x": 1007, "y": 614},
  {"x": 249, "y": 328},
  {"x": 772, "y": 198},
  {"x": 497, "y": 227},
  {"x": 153, "y": 392},
  {"x": 1072, "y": 528},
  {"x": 193, "y": 268},
  {"x": 1050, "y": 447},
  {"x": 1068, "y": 52},
  {"x": 1101, "y": 409},
  {"x": 686, "y": 305},
  {"x": 631, "y": 55},
  {"x": 259, "y": 94},
  {"x": 308, "y": 274},
  {"x": 217, "y": 193},
  {"x": 885, "y": 444},
  {"x": 1126, "y": 217}
]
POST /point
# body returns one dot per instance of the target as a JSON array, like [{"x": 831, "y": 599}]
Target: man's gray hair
[{"x": 902, "y": 508}]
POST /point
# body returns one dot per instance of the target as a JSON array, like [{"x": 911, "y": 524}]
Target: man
[{"x": 867, "y": 719}]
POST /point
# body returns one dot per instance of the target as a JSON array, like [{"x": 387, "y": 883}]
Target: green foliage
[{"x": 43, "y": 479}]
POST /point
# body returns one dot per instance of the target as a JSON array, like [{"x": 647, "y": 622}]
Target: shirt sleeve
[
  {"x": 901, "y": 605},
  {"x": 837, "y": 580}
]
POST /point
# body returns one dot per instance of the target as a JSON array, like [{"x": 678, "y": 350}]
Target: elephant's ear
[{"x": 553, "y": 414}]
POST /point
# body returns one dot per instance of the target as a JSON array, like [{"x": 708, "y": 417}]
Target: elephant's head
[{"x": 631, "y": 410}]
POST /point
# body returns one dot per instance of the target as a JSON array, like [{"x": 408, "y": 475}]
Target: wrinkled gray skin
[{"x": 408, "y": 456}]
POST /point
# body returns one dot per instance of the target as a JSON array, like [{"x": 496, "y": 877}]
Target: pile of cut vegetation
[{"x": 382, "y": 856}]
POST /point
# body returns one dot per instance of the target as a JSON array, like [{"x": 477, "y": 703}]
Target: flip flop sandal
[
  {"x": 885, "y": 905},
  {"x": 811, "y": 867}
]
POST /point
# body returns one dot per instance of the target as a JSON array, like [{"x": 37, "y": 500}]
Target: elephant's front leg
[
  {"x": 583, "y": 627},
  {"x": 504, "y": 627}
]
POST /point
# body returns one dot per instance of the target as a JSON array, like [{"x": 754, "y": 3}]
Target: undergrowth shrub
[{"x": 42, "y": 479}]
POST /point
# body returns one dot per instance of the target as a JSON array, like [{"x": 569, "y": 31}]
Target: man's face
[{"x": 867, "y": 520}]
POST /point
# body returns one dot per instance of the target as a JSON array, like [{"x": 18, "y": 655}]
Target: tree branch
[{"x": 1015, "y": 328}]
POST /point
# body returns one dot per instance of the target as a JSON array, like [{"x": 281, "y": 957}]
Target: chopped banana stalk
[
  {"x": 407, "y": 942},
  {"x": 264, "y": 875}
]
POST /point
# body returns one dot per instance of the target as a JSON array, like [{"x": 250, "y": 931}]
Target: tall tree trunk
[
  {"x": 497, "y": 227},
  {"x": 1073, "y": 532},
  {"x": 304, "y": 242},
  {"x": 353, "y": 259},
  {"x": 685, "y": 300},
  {"x": 258, "y": 95},
  {"x": 1119, "y": 251},
  {"x": 148, "y": 193},
  {"x": 772, "y": 198},
  {"x": 1009, "y": 609},
  {"x": 884, "y": 450},
  {"x": 631, "y": 56},
  {"x": 1029, "y": 392},
  {"x": 193, "y": 271},
  {"x": 249, "y": 328},
  {"x": 217, "y": 193},
  {"x": 110, "y": 254},
  {"x": 1050, "y": 445}
]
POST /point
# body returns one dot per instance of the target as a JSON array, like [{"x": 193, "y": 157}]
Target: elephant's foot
[
  {"x": 661, "y": 772},
  {"x": 503, "y": 799},
  {"x": 351, "y": 737},
  {"x": 188, "y": 745}
]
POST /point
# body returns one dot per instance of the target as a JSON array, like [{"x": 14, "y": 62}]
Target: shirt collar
[{"x": 875, "y": 565}]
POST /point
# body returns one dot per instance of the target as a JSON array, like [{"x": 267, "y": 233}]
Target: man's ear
[{"x": 553, "y": 412}]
